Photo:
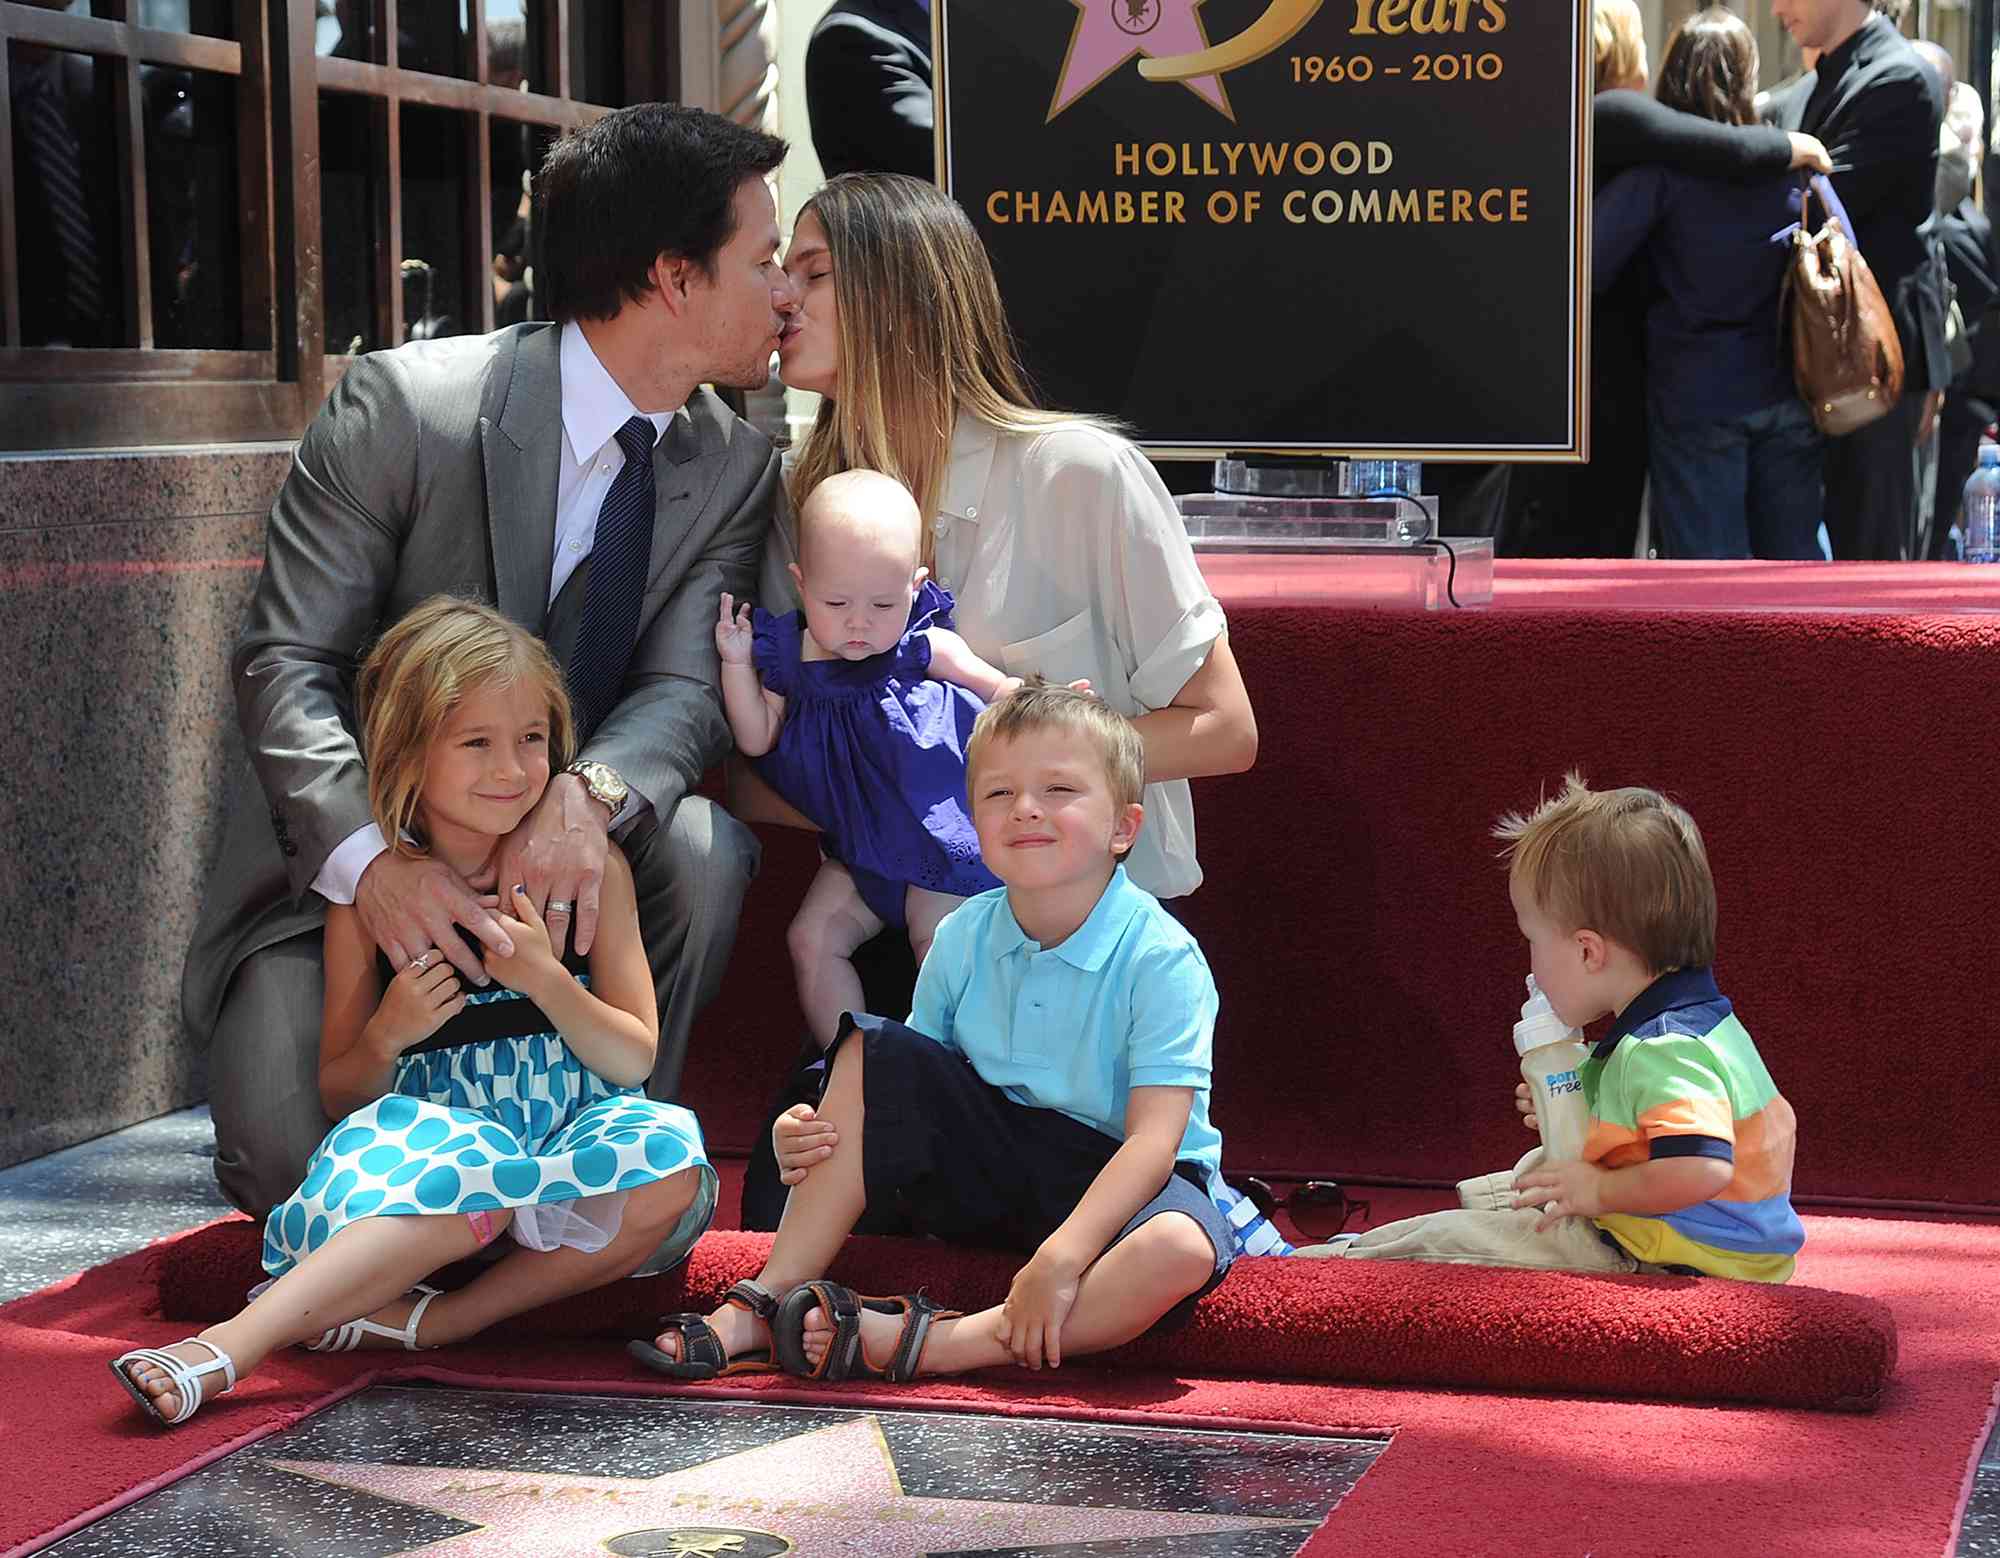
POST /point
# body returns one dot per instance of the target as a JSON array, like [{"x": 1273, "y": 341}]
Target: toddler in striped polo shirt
[{"x": 1687, "y": 1167}]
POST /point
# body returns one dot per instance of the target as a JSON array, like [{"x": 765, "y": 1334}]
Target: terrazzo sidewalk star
[{"x": 833, "y": 1490}]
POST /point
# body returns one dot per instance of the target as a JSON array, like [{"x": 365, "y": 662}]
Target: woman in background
[
  {"x": 1593, "y": 510},
  {"x": 1734, "y": 457}
]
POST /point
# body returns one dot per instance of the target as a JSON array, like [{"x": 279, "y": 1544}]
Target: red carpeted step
[{"x": 1671, "y": 1337}]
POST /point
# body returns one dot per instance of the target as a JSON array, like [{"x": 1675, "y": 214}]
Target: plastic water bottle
[
  {"x": 1552, "y": 1054},
  {"x": 1981, "y": 515}
]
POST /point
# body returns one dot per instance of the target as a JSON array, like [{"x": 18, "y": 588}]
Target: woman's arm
[
  {"x": 1209, "y": 728},
  {"x": 753, "y": 800},
  {"x": 364, "y": 1028},
  {"x": 1164, "y": 622},
  {"x": 952, "y": 660},
  {"x": 613, "y": 1027},
  {"x": 1624, "y": 212},
  {"x": 1629, "y": 129}
]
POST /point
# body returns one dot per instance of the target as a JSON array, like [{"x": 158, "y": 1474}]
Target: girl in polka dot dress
[{"x": 513, "y": 1110}]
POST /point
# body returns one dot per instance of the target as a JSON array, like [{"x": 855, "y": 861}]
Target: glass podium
[{"x": 1378, "y": 533}]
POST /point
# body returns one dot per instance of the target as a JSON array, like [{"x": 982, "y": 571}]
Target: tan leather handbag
[{"x": 1846, "y": 358}]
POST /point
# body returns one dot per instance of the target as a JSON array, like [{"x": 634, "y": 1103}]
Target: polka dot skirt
[{"x": 500, "y": 1123}]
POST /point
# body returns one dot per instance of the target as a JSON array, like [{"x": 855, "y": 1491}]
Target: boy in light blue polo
[{"x": 1049, "y": 1093}]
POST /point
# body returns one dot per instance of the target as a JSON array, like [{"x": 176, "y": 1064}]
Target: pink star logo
[
  {"x": 1110, "y": 32},
  {"x": 834, "y": 1490}
]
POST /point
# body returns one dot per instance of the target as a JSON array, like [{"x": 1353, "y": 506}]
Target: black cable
[{"x": 1451, "y": 570}]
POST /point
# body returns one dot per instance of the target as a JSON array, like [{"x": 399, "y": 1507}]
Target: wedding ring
[
  {"x": 561, "y": 906},
  {"x": 420, "y": 962}
]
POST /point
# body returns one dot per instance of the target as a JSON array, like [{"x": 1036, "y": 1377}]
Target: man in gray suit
[{"x": 578, "y": 476}]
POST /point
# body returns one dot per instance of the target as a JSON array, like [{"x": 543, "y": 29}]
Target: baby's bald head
[{"x": 860, "y": 513}]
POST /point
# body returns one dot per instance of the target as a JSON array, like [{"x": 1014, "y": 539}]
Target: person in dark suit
[
  {"x": 868, "y": 88},
  {"x": 578, "y": 476},
  {"x": 1877, "y": 107}
]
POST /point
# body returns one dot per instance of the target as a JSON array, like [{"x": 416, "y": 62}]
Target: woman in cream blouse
[{"x": 1062, "y": 546}]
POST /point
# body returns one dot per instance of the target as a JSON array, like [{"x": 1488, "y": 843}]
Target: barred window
[{"x": 208, "y": 206}]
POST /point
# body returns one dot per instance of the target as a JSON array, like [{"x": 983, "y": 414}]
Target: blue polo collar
[
  {"x": 1670, "y": 992},
  {"x": 1090, "y": 943}
]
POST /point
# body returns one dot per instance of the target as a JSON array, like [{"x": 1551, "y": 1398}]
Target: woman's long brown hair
[
  {"x": 1711, "y": 68},
  {"x": 923, "y": 337}
]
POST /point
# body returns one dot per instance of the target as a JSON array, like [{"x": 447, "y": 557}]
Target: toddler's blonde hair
[
  {"x": 1628, "y": 864},
  {"x": 1040, "y": 705},
  {"x": 421, "y": 669}
]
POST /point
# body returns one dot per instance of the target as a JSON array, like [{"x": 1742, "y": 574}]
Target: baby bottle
[{"x": 1551, "y": 1052}]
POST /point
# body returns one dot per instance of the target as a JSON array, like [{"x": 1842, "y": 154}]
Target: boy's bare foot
[
  {"x": 879, "y": 1335},
  {"x": 737, "y": 1329},
  {"x": 732, "y": 1338},
  {"x": 158, "y": 1384},
  {"x": 894, "y": 1339}
]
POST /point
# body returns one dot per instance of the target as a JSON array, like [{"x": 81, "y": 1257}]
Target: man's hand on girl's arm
[
  {"x": 557, "y": 853},
  {"x": 410, "y": 906}
]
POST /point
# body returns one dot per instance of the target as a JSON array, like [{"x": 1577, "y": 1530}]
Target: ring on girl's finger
[{"x": 561, "y": 905}]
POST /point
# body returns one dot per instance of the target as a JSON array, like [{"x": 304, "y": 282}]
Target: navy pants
[{"x": 1747, "y": 486}]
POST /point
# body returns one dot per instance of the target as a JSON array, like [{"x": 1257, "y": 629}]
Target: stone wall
[{"x": 123, "y": 577}]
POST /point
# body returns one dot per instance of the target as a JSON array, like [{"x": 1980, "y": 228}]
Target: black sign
[{"x": 1353, "y": 226}]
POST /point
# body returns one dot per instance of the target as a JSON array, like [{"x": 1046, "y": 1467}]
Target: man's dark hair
[{"x": 653, "y": 179}]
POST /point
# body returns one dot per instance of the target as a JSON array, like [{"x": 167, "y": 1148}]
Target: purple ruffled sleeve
[{"x": 774, "y": 648}]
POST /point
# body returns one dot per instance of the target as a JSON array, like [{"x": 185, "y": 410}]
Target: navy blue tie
[{"x": 618, "y": 561}]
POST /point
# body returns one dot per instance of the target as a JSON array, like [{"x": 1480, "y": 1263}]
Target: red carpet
[
  {"x": 1467, "y": 1473},
  {"x": 1673, "y": 1337}
]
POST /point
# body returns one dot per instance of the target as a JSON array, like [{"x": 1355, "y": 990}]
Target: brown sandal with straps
[
  {"x": 845, "y": 1358},
  {"x": 702, "y": 1356}
]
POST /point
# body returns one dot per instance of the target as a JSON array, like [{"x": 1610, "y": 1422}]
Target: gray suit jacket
[{"x": 433, "y": 468}]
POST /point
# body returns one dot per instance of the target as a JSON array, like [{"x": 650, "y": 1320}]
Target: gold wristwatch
[{"x": 601, "y": 783}]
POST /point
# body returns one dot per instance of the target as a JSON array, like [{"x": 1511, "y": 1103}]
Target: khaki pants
[{"x": 1487, "y": 1230}]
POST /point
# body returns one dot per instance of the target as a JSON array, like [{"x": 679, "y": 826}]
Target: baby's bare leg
[
  {"x": 923, "y": 909},
  {"x": 830, "y": 924}
]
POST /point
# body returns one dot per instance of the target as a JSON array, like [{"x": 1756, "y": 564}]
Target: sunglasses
[{"x": 1319, "y": 1208}]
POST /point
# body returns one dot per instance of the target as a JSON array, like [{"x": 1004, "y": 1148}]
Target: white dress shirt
[{"x": 593, "y": 409}]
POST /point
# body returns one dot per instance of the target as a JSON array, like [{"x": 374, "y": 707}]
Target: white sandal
[
  {"x": 184, "y": 1377},
  {"x": 345, "y": 1338}
]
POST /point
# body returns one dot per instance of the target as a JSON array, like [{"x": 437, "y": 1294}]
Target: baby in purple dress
[{"x": 856, "y": 711}]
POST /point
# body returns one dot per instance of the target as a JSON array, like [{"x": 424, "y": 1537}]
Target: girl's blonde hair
[
  {"x": 1628, "y": 864},
  {"x": 420, "y": 670},
  {"x": 1619, "y": 33},
  {"x": 923, "y": 336}
]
